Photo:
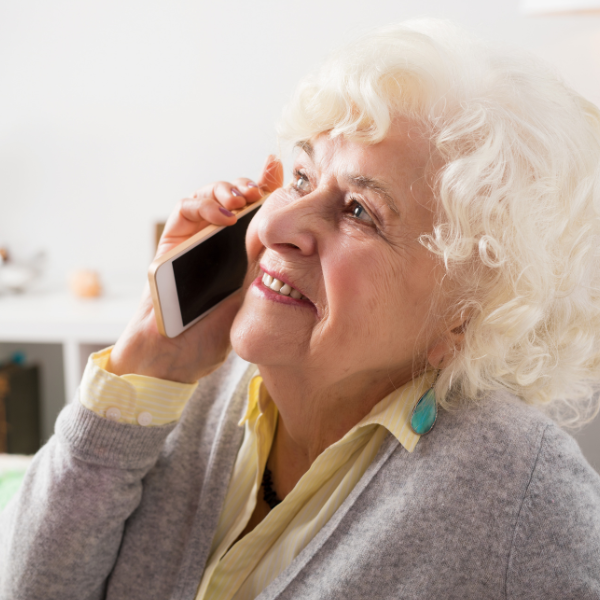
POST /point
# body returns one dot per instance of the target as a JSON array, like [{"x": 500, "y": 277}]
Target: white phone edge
[
  {"x": 164, "y": 290},
  {"x": 169, "y": 302}
]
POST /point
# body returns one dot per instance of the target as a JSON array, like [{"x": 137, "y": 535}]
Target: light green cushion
[{"x": 12, "y": 472}]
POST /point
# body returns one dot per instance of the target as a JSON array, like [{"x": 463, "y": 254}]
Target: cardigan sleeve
[
  {"x": 60, "y": 536},
  {"x": 556, "y": 546}
]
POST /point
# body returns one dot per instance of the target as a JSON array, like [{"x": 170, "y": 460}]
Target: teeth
[
  {"x": 285, "y": 289},
  {"x": 276, "y": 285}
]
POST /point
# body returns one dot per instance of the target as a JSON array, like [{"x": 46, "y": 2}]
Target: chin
[
  {"x": 254, "y": 340},
  {"x": 247, "y": 337}
]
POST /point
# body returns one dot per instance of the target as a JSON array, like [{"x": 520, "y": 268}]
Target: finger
[
  {"x": 271, "y": 177},
  {"x": 201, "y": 205},
  {"x": 204, "y": 211},
  {"x": 229, "y": 196},
  {"x": 249, "y": 188},
  {"x": 211, "y": 204},
  {"x": 232, "y": 196}
]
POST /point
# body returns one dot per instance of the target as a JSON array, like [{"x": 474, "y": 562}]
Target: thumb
[{"x": 271, "y": 177}]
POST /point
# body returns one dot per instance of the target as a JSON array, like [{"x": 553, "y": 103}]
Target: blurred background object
[
  {"x": 113, "y": 110},
  {"x": 19, "y": 406},
  {"x": 18, "y": 276},
  {"x": 85, "y": 283}
]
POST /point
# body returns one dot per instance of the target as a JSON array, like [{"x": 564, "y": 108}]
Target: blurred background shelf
[{"x": 58, "y": 332}]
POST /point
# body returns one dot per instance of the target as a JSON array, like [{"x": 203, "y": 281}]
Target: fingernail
[
  {"x": 236, "y": 192},
  {"x": 251, "y": 184},
  {"x": 225, "y": 212}
]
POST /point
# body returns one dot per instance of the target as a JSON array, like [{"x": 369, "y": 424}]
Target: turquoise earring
[{"x": 424, "y": 413}]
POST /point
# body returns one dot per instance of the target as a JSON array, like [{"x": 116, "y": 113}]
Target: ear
[{"x": 447, "y": 345}]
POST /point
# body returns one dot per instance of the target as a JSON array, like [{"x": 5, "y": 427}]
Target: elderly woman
[{"x": 441, "y": 232}]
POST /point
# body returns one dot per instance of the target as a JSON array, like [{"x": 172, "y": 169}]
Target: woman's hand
[{"x": 199, "y": 350}]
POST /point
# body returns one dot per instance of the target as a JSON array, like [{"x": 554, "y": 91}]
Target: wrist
[{"x": 142, "y": 350}]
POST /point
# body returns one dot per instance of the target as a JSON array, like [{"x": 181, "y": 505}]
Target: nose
[{"x": 289, "y": 226}]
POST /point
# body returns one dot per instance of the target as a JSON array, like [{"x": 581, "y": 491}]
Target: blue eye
[
  {"x": 301, "y": 182},
  {"x": 358, "y": 212}
]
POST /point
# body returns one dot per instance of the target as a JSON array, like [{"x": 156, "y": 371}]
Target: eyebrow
[
  {"x": 306, "y": 146},
  {"x": 368, "y": 183},
  {"x": 360, "y": 181}
]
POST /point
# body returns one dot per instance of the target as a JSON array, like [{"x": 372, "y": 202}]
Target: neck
[{"x": 313, "y": 416}]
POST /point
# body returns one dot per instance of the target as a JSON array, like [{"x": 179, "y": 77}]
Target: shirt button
[
  {"x": 113, "y": 413},
  {"x": 144, "y": 418}
]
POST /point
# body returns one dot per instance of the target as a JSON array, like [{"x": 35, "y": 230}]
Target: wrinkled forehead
[
  {"x": 408, "y": 142},
  {"x": 402, "y": 159}
]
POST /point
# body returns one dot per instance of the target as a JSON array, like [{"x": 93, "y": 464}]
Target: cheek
[
  {"x": 365, "y": 283},
  {"x": 382, "y": 291}
]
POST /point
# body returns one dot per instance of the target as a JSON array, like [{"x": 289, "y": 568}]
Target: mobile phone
[{"x": 189, "y": 281}]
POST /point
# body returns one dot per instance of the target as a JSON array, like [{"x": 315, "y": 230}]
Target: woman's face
[{"x": 345, "y": 235}]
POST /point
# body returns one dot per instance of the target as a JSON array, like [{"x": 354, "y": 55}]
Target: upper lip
[{"x": 282, "y": 278}]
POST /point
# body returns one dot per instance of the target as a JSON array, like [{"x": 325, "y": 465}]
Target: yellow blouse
[{"x": 242, "y": 570}]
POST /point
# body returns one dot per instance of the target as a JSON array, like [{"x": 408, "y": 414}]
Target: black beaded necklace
[{"x": 269, "y": 494}]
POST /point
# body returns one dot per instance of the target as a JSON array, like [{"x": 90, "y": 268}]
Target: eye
[
  {"x": 301, "y": 182},
  {"x": 358, "y": 211}
]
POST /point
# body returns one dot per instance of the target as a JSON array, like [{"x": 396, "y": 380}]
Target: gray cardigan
[{"x": 497, "y": 502}]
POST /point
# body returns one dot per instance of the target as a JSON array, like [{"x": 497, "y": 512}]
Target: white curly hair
[{"x": 518, "y": 195}]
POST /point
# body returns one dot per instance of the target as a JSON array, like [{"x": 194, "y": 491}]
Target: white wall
[{"x": 111, "y": 110}]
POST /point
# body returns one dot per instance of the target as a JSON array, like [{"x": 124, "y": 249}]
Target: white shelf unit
[{"x": 45, "y": 323}]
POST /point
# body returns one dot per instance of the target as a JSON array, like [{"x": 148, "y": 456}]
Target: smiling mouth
[{"x": 283, "y": 289}]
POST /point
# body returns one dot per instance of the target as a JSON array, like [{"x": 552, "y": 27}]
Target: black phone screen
[{"x": 212, "y": 270}]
